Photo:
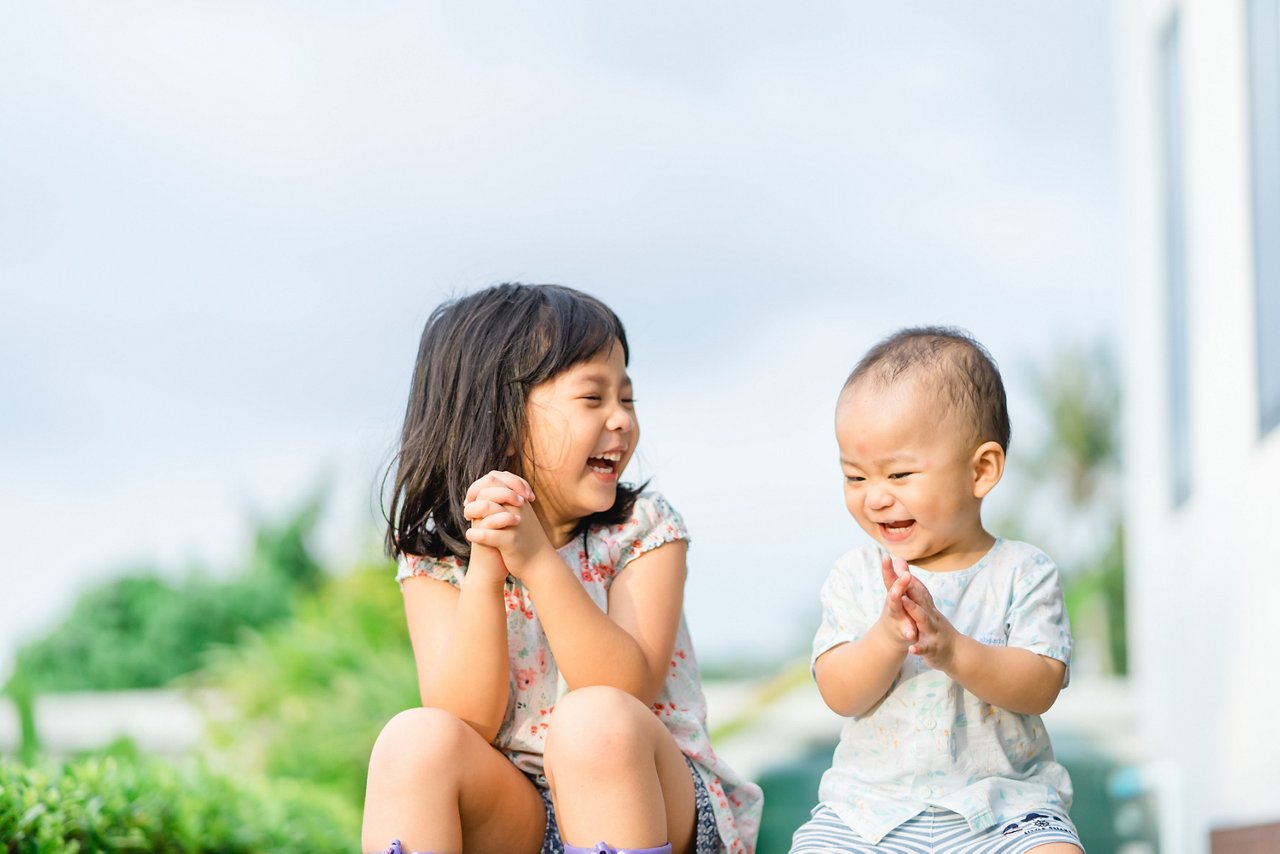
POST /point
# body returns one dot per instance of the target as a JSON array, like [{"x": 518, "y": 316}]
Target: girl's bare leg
[
  {"x": 437, "y": 786},
  {"x": 616, "y": 773}
]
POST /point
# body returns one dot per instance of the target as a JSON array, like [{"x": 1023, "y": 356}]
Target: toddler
[{"x": 941, "y": 644}]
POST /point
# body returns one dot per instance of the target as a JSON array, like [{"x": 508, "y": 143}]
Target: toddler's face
[{"x": 910, "y": 479}]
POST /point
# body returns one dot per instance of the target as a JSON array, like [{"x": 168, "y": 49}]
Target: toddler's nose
[{"x": 878, "y": 498}]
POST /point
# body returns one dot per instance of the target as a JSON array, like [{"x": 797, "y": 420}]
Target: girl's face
[{"x": 582, "y": 431}]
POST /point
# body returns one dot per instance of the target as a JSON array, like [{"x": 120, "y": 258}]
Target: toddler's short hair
[{"x": 950, "y": 364}]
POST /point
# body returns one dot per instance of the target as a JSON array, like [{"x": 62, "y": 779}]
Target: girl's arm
[
  {"x": 460, "y": 642},
  {"x": 629, "y": 647}
]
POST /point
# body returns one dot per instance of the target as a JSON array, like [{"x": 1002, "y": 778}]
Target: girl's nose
[{"x": 621, "y": 419}]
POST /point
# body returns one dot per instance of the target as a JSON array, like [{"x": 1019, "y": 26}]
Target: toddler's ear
[{"x": 988, "y": 468}]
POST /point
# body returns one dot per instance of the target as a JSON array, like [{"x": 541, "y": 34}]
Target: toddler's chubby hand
[
  {"x": 497, "y": 505},
  {"x": 936, "y": 641},
  {"x": 894, "y": 618}
]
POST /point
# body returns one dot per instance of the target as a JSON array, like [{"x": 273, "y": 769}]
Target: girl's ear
[{"x": 988, "y": 468}]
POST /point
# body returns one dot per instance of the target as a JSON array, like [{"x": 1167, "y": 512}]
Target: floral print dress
[{"x": 536, "y": 685}]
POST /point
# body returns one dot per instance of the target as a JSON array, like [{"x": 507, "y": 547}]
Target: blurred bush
[
  {"x": 306, "y": 698},
  {"x": 116, "y": 803},
  {"x": 141, "y": 631}
]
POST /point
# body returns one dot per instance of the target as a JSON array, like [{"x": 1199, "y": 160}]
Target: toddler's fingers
[
  {"x": 899, "y": 567},
  {"x": 917, "y": 591},
  {"x": 886, "y": 571},
  {"x": 913, "y": 609}
]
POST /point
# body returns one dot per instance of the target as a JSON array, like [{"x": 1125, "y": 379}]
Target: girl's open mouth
[{"x": 605, "y": 463}]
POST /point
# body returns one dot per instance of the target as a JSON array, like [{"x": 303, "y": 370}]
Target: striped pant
[{"x": 934, "y": 831}]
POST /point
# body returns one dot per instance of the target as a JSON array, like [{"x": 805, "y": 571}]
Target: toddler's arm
[
  {"x": 854, "y": 677},
  {"x": 1012, "y": 678}
]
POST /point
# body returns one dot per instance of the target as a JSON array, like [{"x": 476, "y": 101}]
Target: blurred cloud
[{"x": 222, "y": 226}]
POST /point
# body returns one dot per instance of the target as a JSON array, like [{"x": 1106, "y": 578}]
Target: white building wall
[{"x": 1204, "y": 577}]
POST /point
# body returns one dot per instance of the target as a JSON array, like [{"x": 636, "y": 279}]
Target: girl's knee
[
  {"x": 420, "y": 741},
  {"x": 599, "y": 725}
]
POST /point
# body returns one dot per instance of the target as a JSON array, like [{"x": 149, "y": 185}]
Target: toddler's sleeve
[
  {"x": 448, "y": 569},
  {"x": 1038, "y": 616},
  {"x": 653, "y": 523},
  {"x": 844, "y": 615}
]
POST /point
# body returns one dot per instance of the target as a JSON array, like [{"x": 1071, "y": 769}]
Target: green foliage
[
  {"x": 1096, "y": 598},
  {"x": 1079, "y": 392},
  {"x": 308, "y": 697},
  {"x": 141, "y": 631},
  {"x": 122, "y": 804}
]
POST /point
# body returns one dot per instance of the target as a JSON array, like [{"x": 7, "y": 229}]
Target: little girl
[{"x": 560, "y": 698}]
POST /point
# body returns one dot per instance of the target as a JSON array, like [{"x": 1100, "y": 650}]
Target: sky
[{"x": 222, "y": 227}]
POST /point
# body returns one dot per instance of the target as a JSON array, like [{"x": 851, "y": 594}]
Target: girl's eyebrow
[{"x": 600, "y": 376}]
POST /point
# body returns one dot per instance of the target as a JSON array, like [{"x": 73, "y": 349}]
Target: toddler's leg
[
  {"x": 437, "y": 786},
  {"x": 616, "y": 773}
]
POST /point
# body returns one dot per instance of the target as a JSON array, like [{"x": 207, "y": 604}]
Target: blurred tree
[
  {"x": 141, "y": 631},
  {"x": 1079, "y": 462}
]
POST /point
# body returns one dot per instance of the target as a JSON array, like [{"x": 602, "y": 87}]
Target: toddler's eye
[
  {"x": 899, "y": 475},
  {"x": 853, "y": 478}
]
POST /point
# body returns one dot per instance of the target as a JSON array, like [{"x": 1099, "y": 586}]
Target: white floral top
[
  {"x": 931, "y": 742},
  {"x": 535, "y": 681}
]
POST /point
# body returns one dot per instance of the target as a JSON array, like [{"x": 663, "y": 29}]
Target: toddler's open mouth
[{"x": 899, "y": 529}]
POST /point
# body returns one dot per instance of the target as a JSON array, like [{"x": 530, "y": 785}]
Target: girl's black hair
[{"x": 478, "y": 358}]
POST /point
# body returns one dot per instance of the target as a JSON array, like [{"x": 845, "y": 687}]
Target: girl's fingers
[
  {"x": 479, "y": 508},
  {"x": 505, "y": 518},
  {"x": 500, "y": 494},
  {"x": 515, "y": 483}
]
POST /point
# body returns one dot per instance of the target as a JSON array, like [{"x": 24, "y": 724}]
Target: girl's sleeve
[
  {"x": 653, "y": 522},
  {"x": 448, "y": 569},
  {"x": 1037, "y": 618},
  {"x": 844, "y": 616}
]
